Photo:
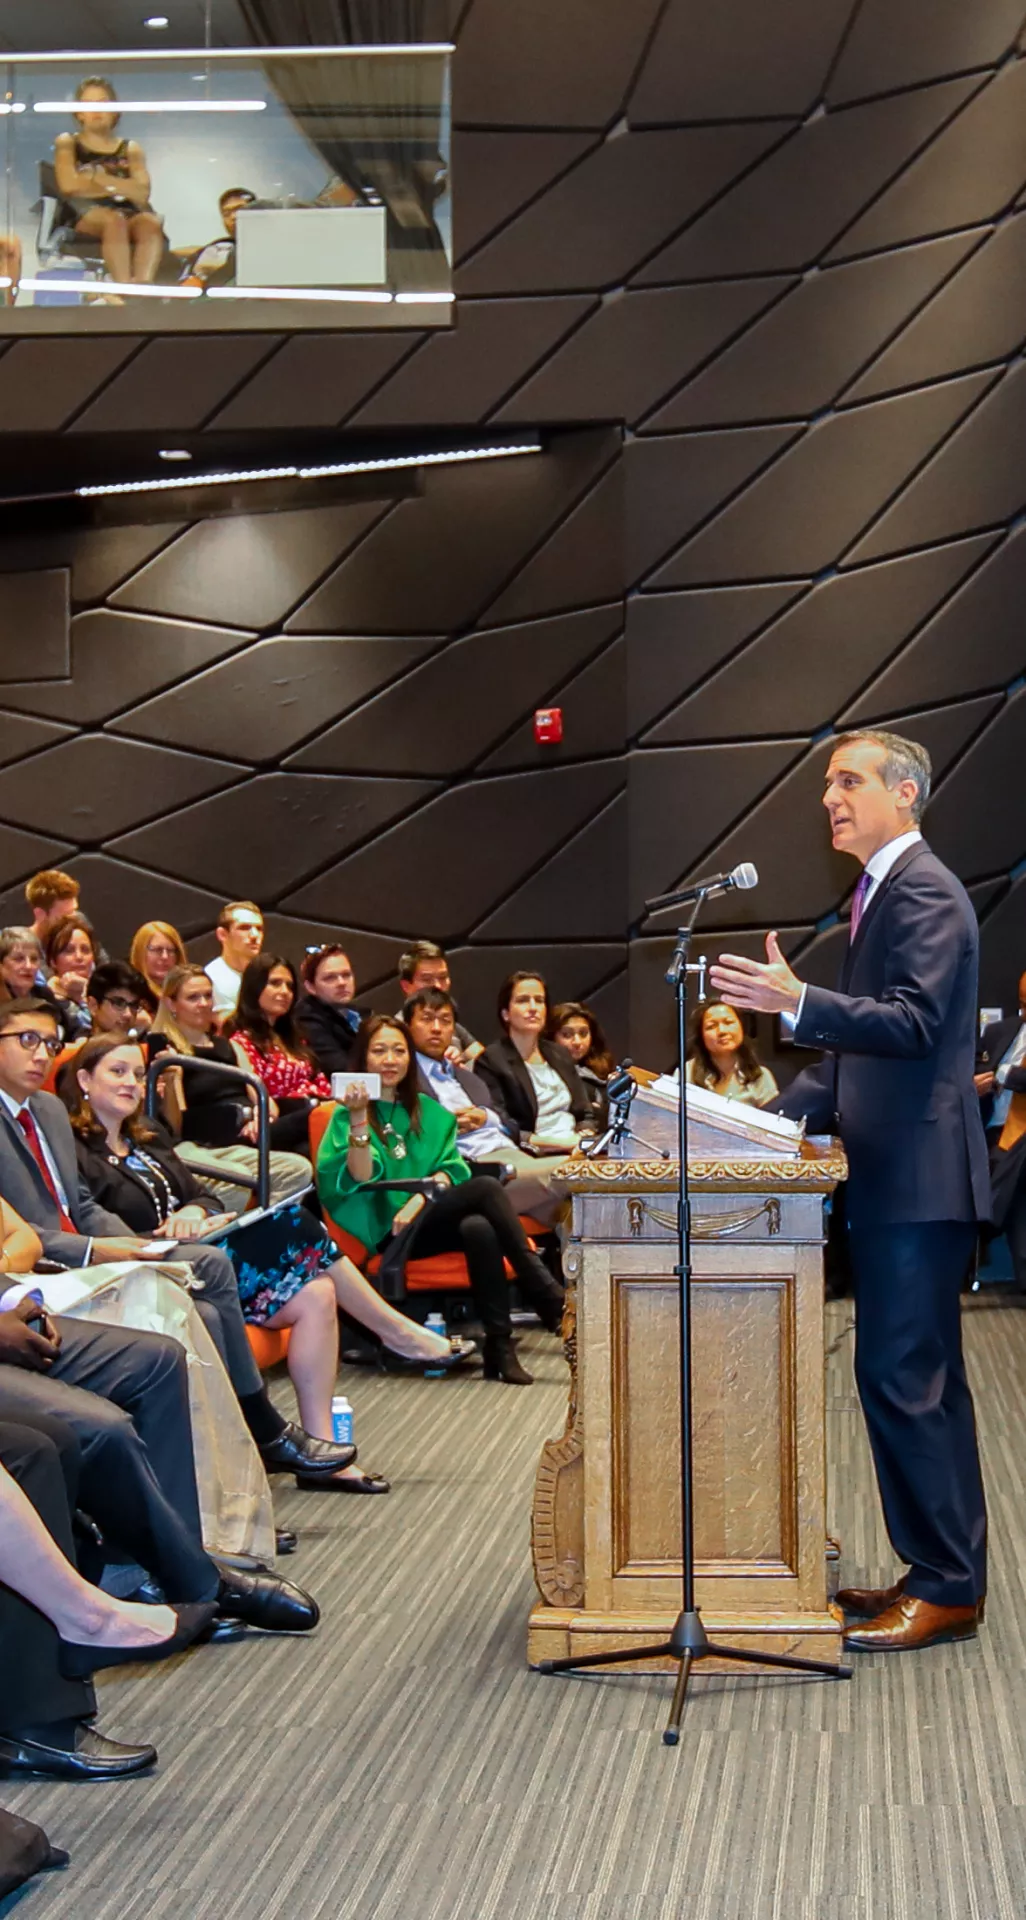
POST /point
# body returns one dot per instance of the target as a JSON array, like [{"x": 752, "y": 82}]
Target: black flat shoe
[
  {"x": 265, "y": 1600},
  {"x": 295, "y": 1451},
  {"x": 354, "y": 1483},
  {"x": 193, "y": 1618},
  {"x": 460, "y": 1352},
  {"x": 285, "y": 1540},
  {"x": 91, "y": 1756}
]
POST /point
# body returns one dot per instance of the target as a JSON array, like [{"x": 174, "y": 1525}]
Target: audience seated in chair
[
  {"x": 325, "y": 1015},
  {"x": 533, "y": 1080},
  {"x": 406, "y": 1133},
  {"x": 51, "y": 896},
  {"x": 576, "y": 1029},
  {"x": 71, "y": 953},
  {"x": 156, "y": 948},
  {"x": 722, "y": 1058},
  {"x": 240, "y": 935},
  {"x": 104, "y": 181},
  {"x": 424, "y": 965},
  {"x": 269, "y": 1044},
  {"x": 212, "y": 264},
  {"x": 1001, "y": 1085},
  {"x": 21, "y": 972},
  {"x": 119, "y": 1001},
  {"x": 39, "y": 1175},
  {"x": 125, "y": 1397}
]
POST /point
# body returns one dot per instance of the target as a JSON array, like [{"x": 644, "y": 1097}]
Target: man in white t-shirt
[{"x": 240, "y": 931}]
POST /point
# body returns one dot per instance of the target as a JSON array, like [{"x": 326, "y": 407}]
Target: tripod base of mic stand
[{"x": 689, "y": 1643}]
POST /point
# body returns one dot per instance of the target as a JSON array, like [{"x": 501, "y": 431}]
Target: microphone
[{"x": 740, "y": 878}]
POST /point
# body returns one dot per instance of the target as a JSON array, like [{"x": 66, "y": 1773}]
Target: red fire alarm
[{"x": 548, "y": 726}]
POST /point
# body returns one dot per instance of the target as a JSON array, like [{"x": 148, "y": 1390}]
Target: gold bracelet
[{"x": 359, "y": 1139}]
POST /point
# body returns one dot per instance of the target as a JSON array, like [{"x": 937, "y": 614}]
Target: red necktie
[
  {"x": 35, "y": 1147},
  {"x": 859, "y": 900}
]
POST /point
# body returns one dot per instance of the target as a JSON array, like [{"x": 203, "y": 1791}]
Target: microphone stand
[{"x": 688, "y": 1643}]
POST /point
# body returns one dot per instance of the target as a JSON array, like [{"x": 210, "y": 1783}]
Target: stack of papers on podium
[{"x": 770, "y": 1133}]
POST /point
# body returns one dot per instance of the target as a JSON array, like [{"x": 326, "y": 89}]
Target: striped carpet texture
[{"x": 403, "y": 1764}]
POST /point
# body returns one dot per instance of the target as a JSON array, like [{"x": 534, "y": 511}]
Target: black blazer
[
  {"x": 512, "y": 1089},
  {"x": 900, "y": 1029},
  {"x": 125, "y": 1193},
  {"x": 327, "y": 1033},
  {"x": 995, "y": 1041}
]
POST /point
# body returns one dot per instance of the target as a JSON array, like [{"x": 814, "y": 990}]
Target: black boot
[
  {"x": 501, "y": 1363},
  {"x": 543, "y": 1295}
]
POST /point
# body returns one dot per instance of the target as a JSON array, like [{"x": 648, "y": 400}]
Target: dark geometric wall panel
[
  {"x": 787, "y": 211},
  {"x": 34, "y": 615},
  {"x": 755, "y": 274},
  {"x": 261, "y": 703},
  {"x": 817, "y": 498},
  {"x": 738, "y": 61},
  {"x": 812, "y": 659}
]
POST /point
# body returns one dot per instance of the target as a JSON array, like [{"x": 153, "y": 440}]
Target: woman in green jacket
[{"x": 405, "y": 1132}]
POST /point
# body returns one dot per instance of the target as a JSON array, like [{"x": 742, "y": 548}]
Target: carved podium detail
[{"x": 606, "y": 1517}]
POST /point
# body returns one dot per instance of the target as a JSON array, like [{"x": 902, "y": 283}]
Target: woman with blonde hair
[{"x": 156, "y": 948}]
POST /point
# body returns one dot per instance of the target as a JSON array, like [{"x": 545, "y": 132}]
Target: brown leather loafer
[
  {"x": 911, "y": 1623},
  {"x": 867, "y": 1602}
]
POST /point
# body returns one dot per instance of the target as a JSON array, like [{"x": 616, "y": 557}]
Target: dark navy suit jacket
[{"x": 900, "y": 1035}]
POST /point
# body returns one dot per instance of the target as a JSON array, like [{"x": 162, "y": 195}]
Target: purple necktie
[{"x": 859, "y": 900}]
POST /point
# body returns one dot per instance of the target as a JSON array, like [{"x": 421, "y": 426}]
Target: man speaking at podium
[{"x": 897, "y": 1086}]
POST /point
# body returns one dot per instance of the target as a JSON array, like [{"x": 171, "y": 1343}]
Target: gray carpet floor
[{"x": 403, "y": 1763}]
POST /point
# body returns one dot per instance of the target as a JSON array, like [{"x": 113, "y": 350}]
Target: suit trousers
[
  {"x": 43, "y": 1457},
  {"x": 126, "y": 1398},
  {"x": 917, "y": 1403},
  {"x": 220, "y": 1309}
]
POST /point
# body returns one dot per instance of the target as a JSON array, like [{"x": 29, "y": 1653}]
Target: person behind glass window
[
  {"x": 723, "y": 1060},
  {"x": 104, "y": 182},
  {"x": 213, "y": 263}
]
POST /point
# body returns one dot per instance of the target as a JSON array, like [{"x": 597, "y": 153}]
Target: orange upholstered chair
[
  {"x": 269, "y": 1344},
  {"x": 441, "y": 1272}
]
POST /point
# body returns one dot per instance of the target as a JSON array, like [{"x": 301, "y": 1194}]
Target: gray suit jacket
[{"x": 24, "y": 1188}]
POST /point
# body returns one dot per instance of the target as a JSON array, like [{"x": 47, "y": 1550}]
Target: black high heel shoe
[
  {"x": 501, "y": 1363},
  {"x": 193, "y": 1618}
]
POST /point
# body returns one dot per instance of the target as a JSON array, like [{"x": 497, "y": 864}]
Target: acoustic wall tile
[
  {"x": 672, "y": 484},
  {"x": 258, "y": 704},
  {"x": 970, "y": 173},
  {"x": 581, "y": 561},
  {"x": 975, "y": 641},
  {"x": 975, "y": 480},
  {"x": 976, "y": 317},
  {"x": 1003, "y": 948},
  {"x": 442, "y": 716},
  {"x": 610, "y": 1004},
  {"x": 788, "y": 836},
  {"x": 973, "y": 823},
  {"x": 263, "y": 836},
  {"x": 592, "y": 704},
  {"x": 601, "y": 220},
  {"x": 247, "y": 571},
  {"x": 887, "y": 47},
  {"x": 683, "y": 799},
  {"x": 314, "y": 380},
  {"x": 34, "y": 622},
  {"x": 21, "y": 855},
  {"x": 812, "y": 503},
  {"x": 395, "y": 883},
  {"x": 463, "y": 374},
  {"x": 99, "y": 558},
  {"x": 43, "y": 381},
  {"x": 20, "y": 735},
  {"x": 675, "y": 639},
  {"x": 539, "y": 65},
  {"x": 174, "y": 383},
  {"x": 92, "y": 786},
  {"x": 119, "y": 898},
  {"x": 499, "y": 172},
  {"x": 571, "y": 970},
  {"x": 738, "y": 62},
  {"x": 809, "y": 662},
  {"x": 786, "y": 212},
  {"x": 636, "y": 347},
  {"x": 440, "y": 557},
  {"x": 581, "y": 889},
  {"x": 117, "y": 658},
  {"x": 799, "y": 356}
]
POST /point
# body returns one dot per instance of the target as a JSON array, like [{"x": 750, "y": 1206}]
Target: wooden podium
[{"x": 606, "y": 1516}]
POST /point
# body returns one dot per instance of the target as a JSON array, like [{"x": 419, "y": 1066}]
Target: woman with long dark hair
[
  {"x": 578, "y": 1031},
  {"x": 723, "y": 1059},
  {"x": 268, "y": 1042},
  {"x": 404, "y": 1132},
  {"x": 535, "y": 1081}
]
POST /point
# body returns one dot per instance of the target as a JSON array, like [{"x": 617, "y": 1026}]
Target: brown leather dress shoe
[
  {"x": 911, "y": 1623},
  {"x": 867, "y": 1602}
]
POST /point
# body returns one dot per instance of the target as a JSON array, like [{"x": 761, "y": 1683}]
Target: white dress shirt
[
  {"x": 878, "y": 866},
  {"x": 1014, "y": 1057},
  {"x": 482, "y": 1143}
]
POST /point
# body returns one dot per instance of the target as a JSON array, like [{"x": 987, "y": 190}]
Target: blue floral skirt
[{"x": 275, "y": 1257}]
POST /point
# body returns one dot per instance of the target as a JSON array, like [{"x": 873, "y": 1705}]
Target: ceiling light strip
[
  {"x": 374, "y": 296},
  {"x": 82, "y": 108},
  {"x": 417, "y": 49},
  {"x": 449, "y": 457},
  {"x": 139, "y": 290}
]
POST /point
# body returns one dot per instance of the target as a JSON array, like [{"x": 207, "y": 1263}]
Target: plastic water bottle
[
  {"x": 435, "y": 1323},
  {"x": 341, "y": 1421}
]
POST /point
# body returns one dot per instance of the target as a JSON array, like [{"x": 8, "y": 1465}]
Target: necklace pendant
[{"x": 399, "y": 1150}]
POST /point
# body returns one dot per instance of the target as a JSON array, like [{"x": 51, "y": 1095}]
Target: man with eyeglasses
[{"x": 116, "y": 996}]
